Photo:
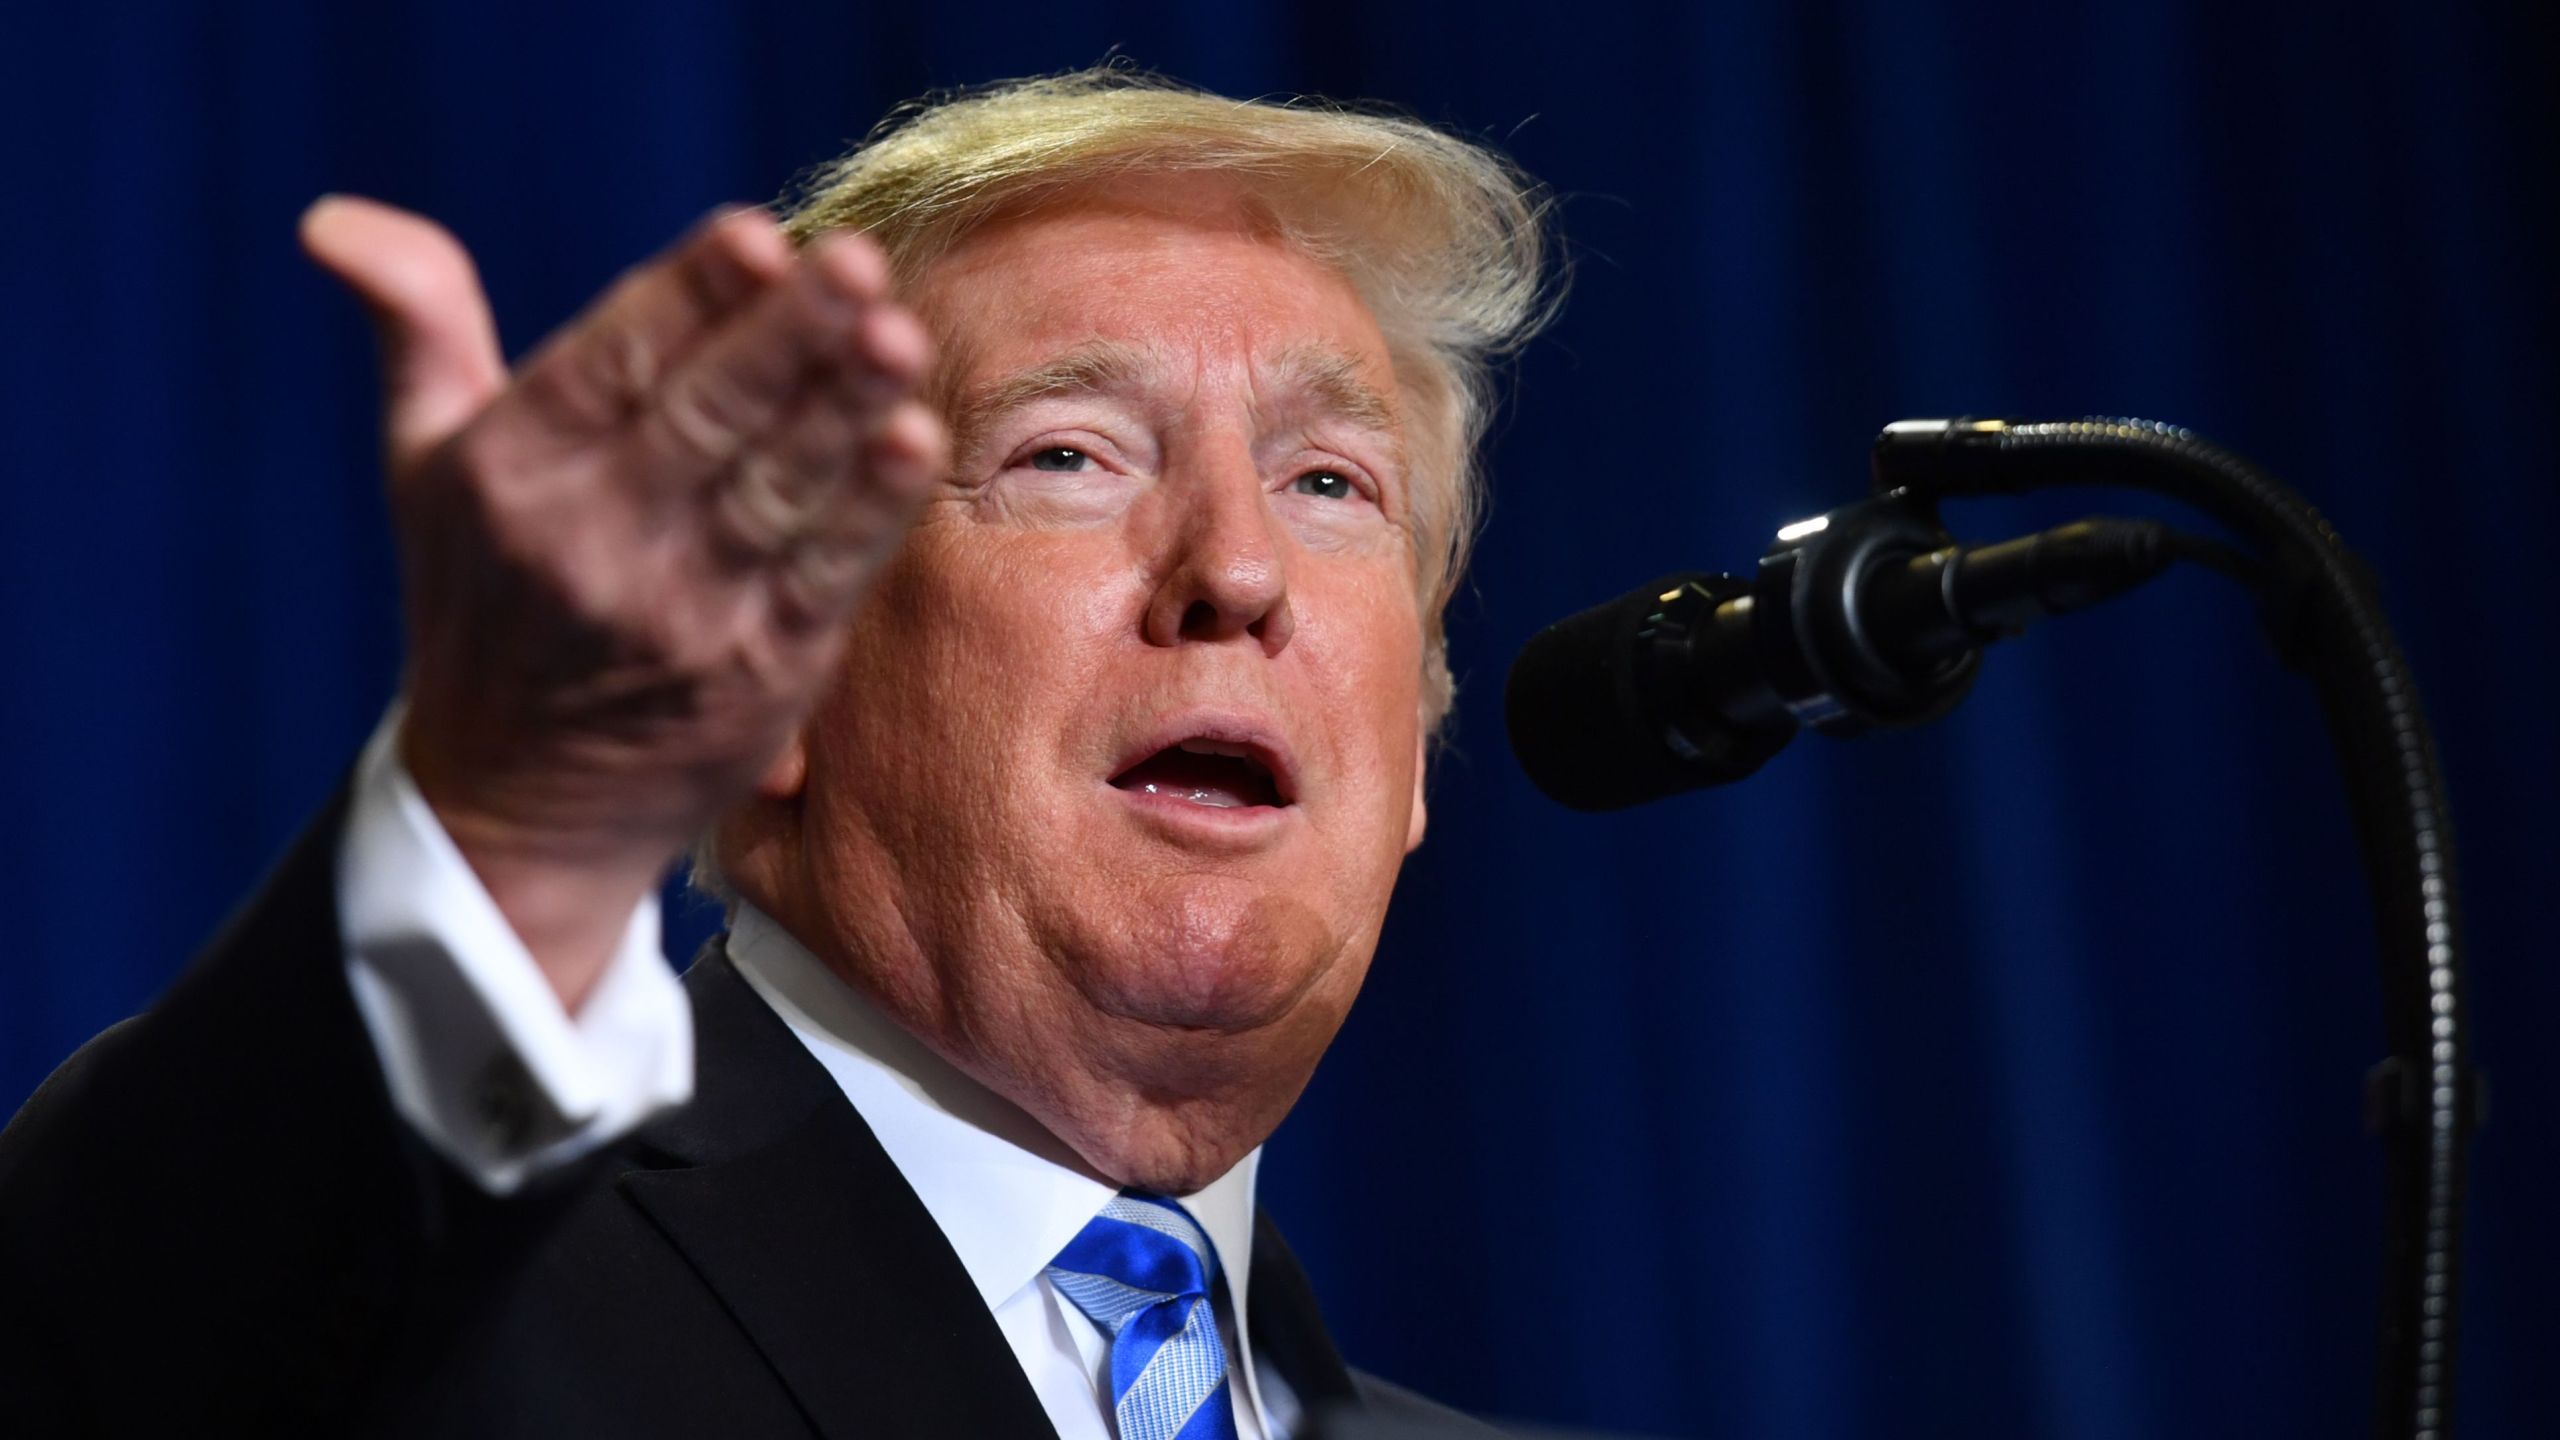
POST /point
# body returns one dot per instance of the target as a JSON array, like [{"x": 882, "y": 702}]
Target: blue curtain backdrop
[{"x": 1997, "y": 1078}]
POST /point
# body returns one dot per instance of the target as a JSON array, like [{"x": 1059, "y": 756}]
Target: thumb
[{"x": 440, "y": 357}]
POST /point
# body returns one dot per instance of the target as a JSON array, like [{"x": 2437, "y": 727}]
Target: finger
[
  {"x": 906, "y": 453},
  {"x": 859, "y": 519},
  {"x": 440, "y": 357},
  {"x": 593, "y": 376},
  {"x": 777, "y": 489},
  {"x": 735, "y": 386},
  {"x": 892, "y": 344},
  {"x": 844, "y": 403},
  {"x": 808, "y": 465}
]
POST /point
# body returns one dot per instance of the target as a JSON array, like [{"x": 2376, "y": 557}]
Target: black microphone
[{"x": 1868, "y": 617}]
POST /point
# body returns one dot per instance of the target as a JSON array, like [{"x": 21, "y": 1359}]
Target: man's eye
[
  {"x": 1061, "y": 458},
  {"x": 1325, "y": 483}
]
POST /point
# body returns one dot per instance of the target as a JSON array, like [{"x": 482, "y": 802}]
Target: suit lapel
[
  {"x": 1288, "y": 1328},
  {"x": 777, "y": 1194}
]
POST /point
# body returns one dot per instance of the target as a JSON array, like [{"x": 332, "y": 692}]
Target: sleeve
[
  {"x": 216, "y": 1218},
  {"x": 478, "y": 1054}
]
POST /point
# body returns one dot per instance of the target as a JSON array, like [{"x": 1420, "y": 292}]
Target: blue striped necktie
[{"x": 1141, "y": 1270}]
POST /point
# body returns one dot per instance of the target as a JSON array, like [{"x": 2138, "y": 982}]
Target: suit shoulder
[{"x": 60, "y": 1095}]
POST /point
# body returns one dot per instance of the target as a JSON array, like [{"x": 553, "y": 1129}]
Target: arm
[
  {"x": 216, "y": 1194},
  {"x": 481, "y": 1059},
  {"x": 626, "y": 568}
]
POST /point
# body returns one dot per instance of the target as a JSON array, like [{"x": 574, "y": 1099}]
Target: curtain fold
[{"x": 1996, "y": 1078}]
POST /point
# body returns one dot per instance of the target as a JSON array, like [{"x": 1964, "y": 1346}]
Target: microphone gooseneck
[{"x": 1868, "y": 616}]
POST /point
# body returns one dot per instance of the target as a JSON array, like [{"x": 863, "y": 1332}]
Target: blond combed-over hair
[{"x": 1444, "y": 239}]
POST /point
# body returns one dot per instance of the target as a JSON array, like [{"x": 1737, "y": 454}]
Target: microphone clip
[{"x": 1838, "y": 660}]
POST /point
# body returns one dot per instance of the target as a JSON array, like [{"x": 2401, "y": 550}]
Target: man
[{"x": 1051, "y": 652}]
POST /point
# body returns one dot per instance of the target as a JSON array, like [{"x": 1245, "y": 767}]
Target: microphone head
[{"x": 1583, "y": 717}]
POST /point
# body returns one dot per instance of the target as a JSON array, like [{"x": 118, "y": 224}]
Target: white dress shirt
[
  {"x": 1007, "y": 1194},
  {"x": 480, "y": 1055},
  {"x": 492, "y": 1071}
]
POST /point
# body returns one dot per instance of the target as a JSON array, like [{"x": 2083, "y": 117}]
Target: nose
[{"x": 1228, "y": 573}]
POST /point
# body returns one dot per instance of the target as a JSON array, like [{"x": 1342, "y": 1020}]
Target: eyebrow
[
  {"x": 1086, "y": 370},
  {"x": 1330, "y": 377},
  {"x": 1333, "y": 378}
]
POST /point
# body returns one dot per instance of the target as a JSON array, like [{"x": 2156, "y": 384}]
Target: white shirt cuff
[{"x": 479, "y": 1053}]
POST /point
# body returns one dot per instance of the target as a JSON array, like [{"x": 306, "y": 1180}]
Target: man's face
[{"x": 1126, "y": 753}]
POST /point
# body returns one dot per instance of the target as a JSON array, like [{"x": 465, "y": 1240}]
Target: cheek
[
  {"x": 1370, "y": 633},
  {"x": 962, "y": 670},
  {"x": 903, "y": 680}
]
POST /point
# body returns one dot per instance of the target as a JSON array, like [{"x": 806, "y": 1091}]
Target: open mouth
[{"x": 1221, "y": 774}]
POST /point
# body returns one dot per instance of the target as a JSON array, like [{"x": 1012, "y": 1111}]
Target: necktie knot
[{"x": 1141, "y": 1271}]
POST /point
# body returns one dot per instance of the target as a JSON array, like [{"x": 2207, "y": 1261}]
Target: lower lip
[{"x": 1190, "y": 818}]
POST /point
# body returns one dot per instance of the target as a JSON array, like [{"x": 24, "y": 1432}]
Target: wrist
[
  {"x": 566, "y": 877},
  {"x": 571, "y": 918}
]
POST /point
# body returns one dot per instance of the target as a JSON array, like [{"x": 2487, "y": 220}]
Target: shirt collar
[{"x": 1008, "y": 1194}]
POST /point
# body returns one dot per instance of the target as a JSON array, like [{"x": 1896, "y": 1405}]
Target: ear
[
  {"x": 1421, "y": 773},
  {"x": 789, "y": 772}
]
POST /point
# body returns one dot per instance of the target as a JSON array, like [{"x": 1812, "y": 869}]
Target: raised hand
[{"x": 626, "y": 566}]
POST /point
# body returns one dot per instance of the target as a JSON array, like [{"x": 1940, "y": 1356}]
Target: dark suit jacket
[{"x": 211, "y": 1219}]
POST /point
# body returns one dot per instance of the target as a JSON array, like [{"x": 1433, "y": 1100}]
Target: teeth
[
  {"x": 1214, "y": 747},
  {"x": 1210, "y": 798}
]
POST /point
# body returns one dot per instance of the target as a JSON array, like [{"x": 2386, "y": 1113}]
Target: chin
[
  {"x": 1173, "y": 1175},
  {"x": 1176, "y": 1153},
  {"x": 1212, "y": 954},
  {"x": 1178, "y": 1107}
]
